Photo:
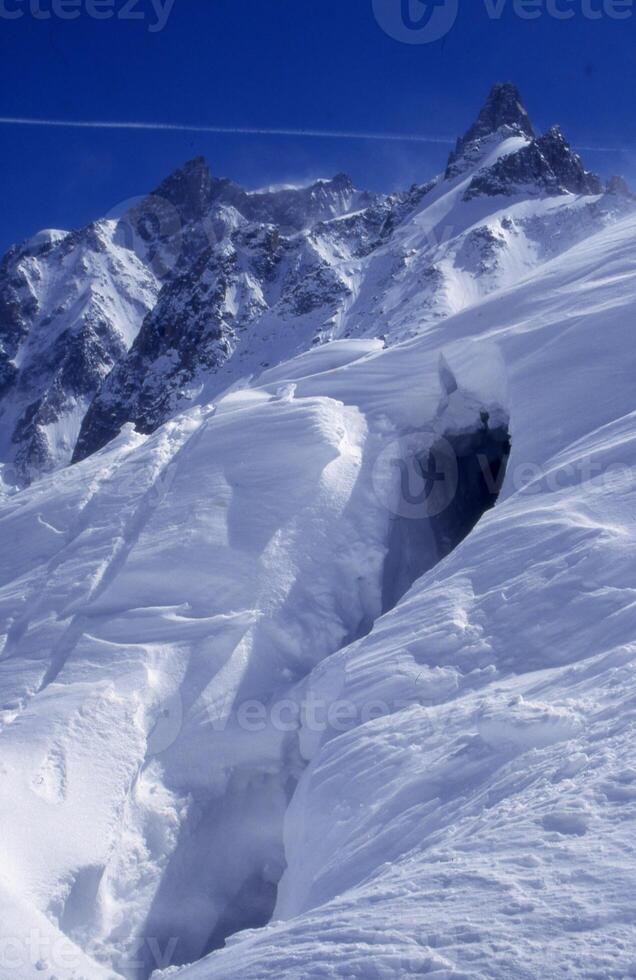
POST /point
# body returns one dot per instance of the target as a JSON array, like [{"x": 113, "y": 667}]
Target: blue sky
[{"x": 286, "y": 64}]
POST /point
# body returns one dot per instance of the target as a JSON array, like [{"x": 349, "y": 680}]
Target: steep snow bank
[
  {"x": 165, "y": 590},
  {"x": 469, "y": 810}
]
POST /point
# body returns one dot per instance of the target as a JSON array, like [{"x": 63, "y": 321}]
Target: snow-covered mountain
[
  {"x": 324, "y": 666},
  {"x": 71, "y": 304},
  {"x": 202, "y": 283},
  {"x": 279, "y": 272}
]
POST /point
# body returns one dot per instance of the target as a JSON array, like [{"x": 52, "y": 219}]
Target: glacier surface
[{"x": 257, "y": 719}]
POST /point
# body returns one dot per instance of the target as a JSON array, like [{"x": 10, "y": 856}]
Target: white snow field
[
  {"x": 483, "y": 824},
  {"x": 282, "y": 695},
  {"x": 461, "y": 801}
]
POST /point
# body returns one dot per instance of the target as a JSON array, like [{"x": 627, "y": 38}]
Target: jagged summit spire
[
  {"x": 342, "y": 181},
  {"x": 503, "y": 107},
  {"x": 188, "y": 189},
  {"x": 546, "y": 163}
]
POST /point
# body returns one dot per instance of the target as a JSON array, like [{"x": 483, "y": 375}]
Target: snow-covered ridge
[
  {"x": 326, "y": 268},
  {"x": 203, "y": 283}
]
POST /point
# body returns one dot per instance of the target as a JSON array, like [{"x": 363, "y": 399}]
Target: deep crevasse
[
  {"x": 472, "y": 816},
  {"x": 170, "y": 581}
]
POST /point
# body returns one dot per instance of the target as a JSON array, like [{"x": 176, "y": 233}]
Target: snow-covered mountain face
[
  {"x": 70, "y": 306},
  {"x": 280, "y": 272},
  {"x": 327, "y": 667},
  {"x": 203, "y": 283}
]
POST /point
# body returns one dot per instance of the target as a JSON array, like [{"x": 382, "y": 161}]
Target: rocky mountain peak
[
  {"x": 546, "y": 165},
  {"x": 342, "y": 182},
  {"x": 502, "y": 108},
  {"x": 188, "y": 189},
  {"x": 566, "y": 164}
]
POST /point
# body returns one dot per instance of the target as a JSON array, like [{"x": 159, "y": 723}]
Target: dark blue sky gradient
[{"x": 321, "y": 64}]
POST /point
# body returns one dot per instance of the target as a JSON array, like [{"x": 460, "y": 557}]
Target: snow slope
[
  {"x": 481, "y": 826},
  {"x": 271, "y": 705}
]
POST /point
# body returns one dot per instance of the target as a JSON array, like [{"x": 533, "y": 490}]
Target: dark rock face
[
  {"x": 503, "y": 108},
  {"x": 480, "y": 251},
  {"x": 254, "y": 257},
  {"x": 78, "y": 363},
  {"x": 547, "y": 164},
  {"x": 189, "y": 190},
  {"x": 302, "y": 208},
  {"x": 186, "y": 332},
  {"x": 67, "y": 301},
  {"x": 18, "y": 307},
  {"x": 566, "y": 165},
  {"x": 366, "y": 230}
]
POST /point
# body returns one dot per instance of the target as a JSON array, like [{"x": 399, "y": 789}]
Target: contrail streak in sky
[
  {"x": 255, "y": 131},
  {"x": 229, "y": 130}
]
